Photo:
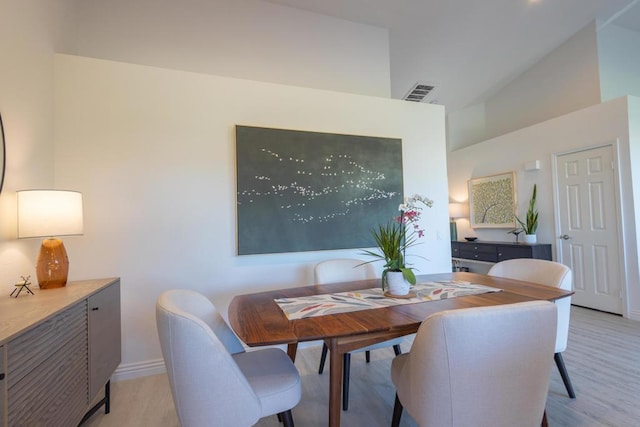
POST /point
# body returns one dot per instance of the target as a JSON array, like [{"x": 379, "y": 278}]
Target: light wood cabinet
[{"x": 58, "y": 349}]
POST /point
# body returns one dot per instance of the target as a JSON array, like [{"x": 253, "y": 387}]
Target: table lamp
[
  {"x": 456, "y": 210},
  {"x": 49, "y": 213}
]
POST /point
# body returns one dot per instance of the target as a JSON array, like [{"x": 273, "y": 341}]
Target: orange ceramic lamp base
[{"x": 52, "y": 267}]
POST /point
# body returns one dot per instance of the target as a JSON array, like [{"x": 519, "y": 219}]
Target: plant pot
[
  {"x": 530, "y": 238},
  {"x": 397, "y": 284}
]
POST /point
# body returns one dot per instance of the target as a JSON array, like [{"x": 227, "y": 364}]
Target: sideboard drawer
[
  {"x": 31, "y": 349},
  {"x": 455, "y": 249},
  {"x": 479, "y": 252},
  {"x": 54, "y": 393},
  {"x": 511, "y": 252}
]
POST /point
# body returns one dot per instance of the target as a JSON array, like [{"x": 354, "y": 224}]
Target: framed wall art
[
  {"x": 306, "y": 191},
  {"x": 492, "y": 201}
]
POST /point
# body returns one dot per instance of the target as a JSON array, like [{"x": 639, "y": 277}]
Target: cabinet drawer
[
  {"x": 479, "y": 252},
  {"x": 512, "y": 252},
  {"x": 55, "y": 392},
  {"x": 455, "y": 249},
  {"x": 31, "y": 349}
]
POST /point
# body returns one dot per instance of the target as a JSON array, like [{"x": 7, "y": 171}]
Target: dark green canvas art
[{"x": 306, "y": 191}]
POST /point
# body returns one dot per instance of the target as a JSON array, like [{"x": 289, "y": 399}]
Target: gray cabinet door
[{"x": 104, "y": 336}]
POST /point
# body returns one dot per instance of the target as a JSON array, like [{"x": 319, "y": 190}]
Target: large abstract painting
[
  {"x": 492, "y": 201},
  {"x": 304, "y": 191}
]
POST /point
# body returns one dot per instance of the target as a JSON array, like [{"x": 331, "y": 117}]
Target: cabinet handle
[{"x": 95, "y": 308}]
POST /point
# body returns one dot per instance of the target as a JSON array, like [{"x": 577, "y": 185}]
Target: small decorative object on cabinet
[
  {"x": 530, "y": 224},
  {"x": 22, "y": 285},
  {"x": 456, "y": 210},
  {"x": 59, "y": 348}
]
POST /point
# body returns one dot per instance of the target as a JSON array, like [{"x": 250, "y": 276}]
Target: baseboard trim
[
  {"x": 130, "y": 371},
  {"x": 133, "y": 370}
]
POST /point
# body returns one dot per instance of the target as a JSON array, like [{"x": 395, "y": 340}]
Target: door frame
[{"x": 622, "y": 244}]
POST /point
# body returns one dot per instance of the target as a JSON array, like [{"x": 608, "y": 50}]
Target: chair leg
[
  {"x": 323, "y": 358},
  {"x": 286, "y": 418},
  {"x": 346, "y": 367},
  {"x": 564, "y": 374},
  {"x": 397, "y": 413},
  {"x": 367, "y": 356},
  {"x": 397, "y": 350}
]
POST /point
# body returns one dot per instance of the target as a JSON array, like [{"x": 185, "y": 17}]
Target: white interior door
[{"x": 588, "y": 219}]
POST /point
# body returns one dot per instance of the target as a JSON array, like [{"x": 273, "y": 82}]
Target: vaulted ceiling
[{"x": 471, "y": 48}]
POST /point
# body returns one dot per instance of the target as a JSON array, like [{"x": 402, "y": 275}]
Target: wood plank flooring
[{"x": 603, "y": 359}]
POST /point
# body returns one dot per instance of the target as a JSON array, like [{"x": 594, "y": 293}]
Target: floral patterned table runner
[{"x": 365, "y": 299}]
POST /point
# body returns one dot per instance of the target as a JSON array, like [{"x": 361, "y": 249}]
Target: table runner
[{"x": 365, "y": 299}]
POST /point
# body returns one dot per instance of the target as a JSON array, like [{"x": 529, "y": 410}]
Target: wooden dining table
[{"x": 258, "y": 320}]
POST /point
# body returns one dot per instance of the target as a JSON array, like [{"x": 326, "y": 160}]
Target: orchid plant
[{"x": 398, "y": 234}]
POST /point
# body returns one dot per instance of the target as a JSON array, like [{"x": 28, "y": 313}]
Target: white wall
[
  {"x": 466, "y": 126},
  {"x": 634, "y": 159},
  {"x": 566, "y": 80},
  {"x": 153, "y": 152},
  {"x": 249, "y": 39},
  {"x": 31, "y": 30},
  {"x": 596, "y": 125},
  {"x": 619, "y": 57}
]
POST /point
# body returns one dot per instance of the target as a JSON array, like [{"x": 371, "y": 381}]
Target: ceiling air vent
[{"x": 419, "y": 92}]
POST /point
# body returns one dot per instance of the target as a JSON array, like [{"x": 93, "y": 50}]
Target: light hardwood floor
[{"x": 603, "y": 359}]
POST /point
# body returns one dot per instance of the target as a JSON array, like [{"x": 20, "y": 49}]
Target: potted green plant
[
  {"x": 530, "y": 224},
  {"x": 393, "y": 239}
]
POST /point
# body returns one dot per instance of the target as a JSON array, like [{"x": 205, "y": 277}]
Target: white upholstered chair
[
  {"x": 482, "y": 366},
  {"x": 346, "y": 270},
  {"x": 213, "y": 380},
  {"x": 548, "y": 273}
]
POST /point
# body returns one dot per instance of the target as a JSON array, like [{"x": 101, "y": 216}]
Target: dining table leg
[
  {"x": 292, "y": 349},
  {"x": 335, "y": 382}
]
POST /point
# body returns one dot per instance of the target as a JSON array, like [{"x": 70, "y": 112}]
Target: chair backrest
[
  {"x": 544, "y": 272},
  {"x": 205, "y": 381},
  {"x": 485, "y": 366},
  {"x": 342, "y": 270}
]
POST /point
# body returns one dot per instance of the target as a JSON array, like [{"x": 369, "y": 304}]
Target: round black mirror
[{"x": 2, "y": 154}]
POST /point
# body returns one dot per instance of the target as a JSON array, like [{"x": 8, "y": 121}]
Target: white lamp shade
[
  {"x": 458, "y": 210},
  {"x": 48, "y": 213}
]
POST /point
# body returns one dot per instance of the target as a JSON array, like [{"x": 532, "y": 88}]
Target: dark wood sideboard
[{"x": 499, "y": 251}]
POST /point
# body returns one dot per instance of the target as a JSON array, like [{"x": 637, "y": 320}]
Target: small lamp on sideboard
[
  {"x": 456, "y": 210},
  {"x": 48, "y": 214}
]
